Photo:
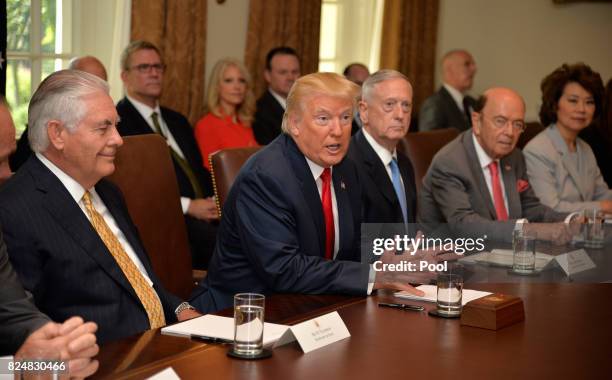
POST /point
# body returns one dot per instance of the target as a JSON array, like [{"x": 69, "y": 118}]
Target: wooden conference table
[{"x": 567, "y": 333}]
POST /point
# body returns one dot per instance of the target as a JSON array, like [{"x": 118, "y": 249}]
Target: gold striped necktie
[{"x": 145, "y": 293}]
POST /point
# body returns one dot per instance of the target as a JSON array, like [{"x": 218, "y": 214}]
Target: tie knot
[
  {"x": 87, "y": 199},
  {"x": 154, "y": 115},
  {"x": 393, "y": 162},
  {"x": 493, "y": 167},
  {"x": 325, "y": 176}
]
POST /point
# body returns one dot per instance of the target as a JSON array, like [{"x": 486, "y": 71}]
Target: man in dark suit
[
  {"x": 450, "y": 106},
  {"x": 478, "y": 182},
  {"x": 68, "y": 233},
  {"x": 282, "y": 69},
  {"x": 140, "y": 113},
  {"x": 291, "y": 221},
  {"x": 387, "y": 177}
]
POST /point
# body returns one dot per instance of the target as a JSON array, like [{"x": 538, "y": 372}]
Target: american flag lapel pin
[
  {"x": 508, "y": 168},
  {"x": 342, "y": 185}
]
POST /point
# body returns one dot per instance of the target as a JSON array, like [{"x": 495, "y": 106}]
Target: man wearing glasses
[
  {"x": 140, "y": 112},
  {"x": 478, "y": 183}
]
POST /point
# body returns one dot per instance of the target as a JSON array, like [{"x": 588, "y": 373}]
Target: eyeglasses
[
  {"x": 389, "y": 104},
  {"x": 500, "y": 122},
  {"x": 144, "y": 68}
]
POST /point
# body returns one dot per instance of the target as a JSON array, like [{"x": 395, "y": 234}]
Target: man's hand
[
  {"x": 188, "y": 314},
  {"x": 73, "y": 341},
  {"x": 557, "y": 233},
  {"x": 203, "y": 208}
]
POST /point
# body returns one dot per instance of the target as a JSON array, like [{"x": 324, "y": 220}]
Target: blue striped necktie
[{"x": 399, "y": 190}]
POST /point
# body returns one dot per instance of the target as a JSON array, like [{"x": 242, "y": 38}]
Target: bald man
[
  {"x": 478, "y": 183},
  {"x": 89, "y": 64},
  {"x": 450, "y": 106}
]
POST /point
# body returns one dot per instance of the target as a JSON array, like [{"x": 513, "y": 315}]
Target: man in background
[
  {"x": 140, "y": 112},
  {"x": 356, "y": 73},
  {"x": 451, "y": 107},
  {"x": 282, "y": 69}
]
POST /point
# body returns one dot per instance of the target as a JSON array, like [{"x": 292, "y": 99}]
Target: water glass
[
  {"x": 593, "y": 228},
  {"x": 523, "y": 258},
  {"x": 248, "y": 323},
  {"x": 450, "y": 291}
]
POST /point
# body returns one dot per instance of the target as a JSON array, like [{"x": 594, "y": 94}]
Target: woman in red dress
[{"x": 230, "y": 105}]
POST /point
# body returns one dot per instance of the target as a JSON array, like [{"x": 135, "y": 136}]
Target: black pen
[
  {"x": 211, "y": 339},
  {"x": 401, "y": 306}
]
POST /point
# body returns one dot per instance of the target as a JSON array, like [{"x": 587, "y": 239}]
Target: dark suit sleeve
[
  {"x": 18, "y": 315},
  {"x": 269, "y": 237},
  {"x": 430, "y": 116},
  {"x": 263, "y": 125}
]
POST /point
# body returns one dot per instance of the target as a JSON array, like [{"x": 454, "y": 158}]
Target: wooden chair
[
  {"x": 145, "y": 174},
  {"x": 224, "y": 167},
  {"x": 421, "y": 147}
]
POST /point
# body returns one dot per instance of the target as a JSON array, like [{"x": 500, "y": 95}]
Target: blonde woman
[{"x": 230, "y": 105}]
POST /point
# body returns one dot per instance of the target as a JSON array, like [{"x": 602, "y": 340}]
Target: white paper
[
  {"x": 504, "y": 257},
  {"x": 316, "y": 333},
  {"x": 575, "y": 262},
  {"x": 431, "y": 294},
  {"x": 167, "y": 374},
  {"x": 220, "y": 327}
]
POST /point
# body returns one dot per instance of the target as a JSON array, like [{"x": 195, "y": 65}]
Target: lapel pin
[
  {"x": 507, "y": 167},
  {"x": 342, "y": 185}
]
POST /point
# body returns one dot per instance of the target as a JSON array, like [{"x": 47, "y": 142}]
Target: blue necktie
[{"x": 397, "y": 185}]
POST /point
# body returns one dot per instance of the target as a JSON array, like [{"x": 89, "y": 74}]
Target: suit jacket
[
  {"x": 272, "y": 234},
  {"x": 18, "y": 315},
  {"x": 455, "y": 192},
  {"x": 556, "y": 181},
  {"x": 132, "y": 123},
  {"x": 60, "y": 258},
  {"x": 379, "y": 201},
  {"x": 440, "y": 111},
  {"x": 268, "y": 119}
]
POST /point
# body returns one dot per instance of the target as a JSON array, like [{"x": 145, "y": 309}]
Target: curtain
[
  {"x": 120, "y": 39},
  {"x": 178, "y": 29},
  {"x": 409, "y": 43},
  {"x": 272, "y": 23}
]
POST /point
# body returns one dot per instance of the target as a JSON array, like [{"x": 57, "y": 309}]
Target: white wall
[
  {"x": 517, "y": 42},
  {"x": 226, "y": 31}
]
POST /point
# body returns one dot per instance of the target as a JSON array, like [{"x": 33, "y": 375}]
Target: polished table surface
[{"x": 566, "y": 334}]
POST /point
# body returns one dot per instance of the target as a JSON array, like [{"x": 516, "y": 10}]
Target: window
[
  {"x": 350, "y": 32},
  {"x": 37, "y": 45}
]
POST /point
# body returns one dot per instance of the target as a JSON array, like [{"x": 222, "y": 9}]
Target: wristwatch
[{"x": 183, "y": 306}]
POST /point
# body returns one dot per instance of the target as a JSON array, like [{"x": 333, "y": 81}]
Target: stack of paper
[
  {"x": 431, "y": 294},
  {"x": 503, "y": 258},
  {"x": 214, "y": 326}
]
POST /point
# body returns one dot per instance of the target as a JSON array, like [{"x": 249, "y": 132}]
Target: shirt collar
[
  {"x": 279, "y": 98},
  {"x": 384, "y": 155},
  {"x": 316, "y": 169},
  {"x": 144, "y": 110},
  {"x": 483, "y": 157},
  {"x": 74, "y": 188},
  {"x": 455, "y": 94}
]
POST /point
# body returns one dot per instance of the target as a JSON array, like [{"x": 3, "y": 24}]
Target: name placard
[
  {"x": 575, "y": 262},
  {"x": 316, "y": 333}
]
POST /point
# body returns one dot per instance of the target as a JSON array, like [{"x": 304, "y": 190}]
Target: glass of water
[
  {"x": 248, "y": 323},
  {"x": 450, "y": 291},
  {"x": 524, "y": 255},
  {"x": 594, "y": 232}
]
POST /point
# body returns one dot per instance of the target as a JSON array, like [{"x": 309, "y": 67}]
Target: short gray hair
[
  {"x": 378, "y": 77},
  {"x": 59, "y": 97}
]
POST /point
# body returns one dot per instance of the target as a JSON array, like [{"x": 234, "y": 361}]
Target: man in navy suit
[
  {"x": 282, "y": 69},
  {"x": 67, "y": 230},
  {"x": 143, "y": 74},
  {"x": 292, "y": 219},
  {"x": 387, "y": 177}
]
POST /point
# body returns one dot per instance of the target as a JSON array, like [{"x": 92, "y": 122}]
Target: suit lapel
[
  {"x": 512, "y": 194},
  {"x": 62, "y": 207},
  {"x": 137, "y": 123},
  {"x": 474, "y": 164},
  {"x": 561, "y": 148},
  {"x": 345, "y": 214},
  {"x": 376, "y": 169},
  {"x": 407, "y": 177},
  {"x": 308, "y": 187},
  {"x": 458, "y": 115}
]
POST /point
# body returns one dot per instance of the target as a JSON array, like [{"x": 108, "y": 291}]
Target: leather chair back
[
  {"x": 224, "y": 167},
  {"x": 531, "y": 130},
  {"x": 145, "y": 174},
  {"x": 421, "y": 147}
]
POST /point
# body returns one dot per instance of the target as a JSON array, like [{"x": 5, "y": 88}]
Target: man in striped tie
[{"x": 67, "y": 230}]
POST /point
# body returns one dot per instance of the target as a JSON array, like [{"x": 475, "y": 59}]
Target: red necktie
[
  {"x": 498, "y": 197},
  {"x": 328, "y": 213}
]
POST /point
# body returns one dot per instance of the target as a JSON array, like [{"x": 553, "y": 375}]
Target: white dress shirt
[
  {"x": 279, "y": 98},
  {"x": 485, "y": 160},
  {"x": 76, "y": 192},
  {"x": 145, "y": 111},
  {"x": 456, "y": 95}
]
